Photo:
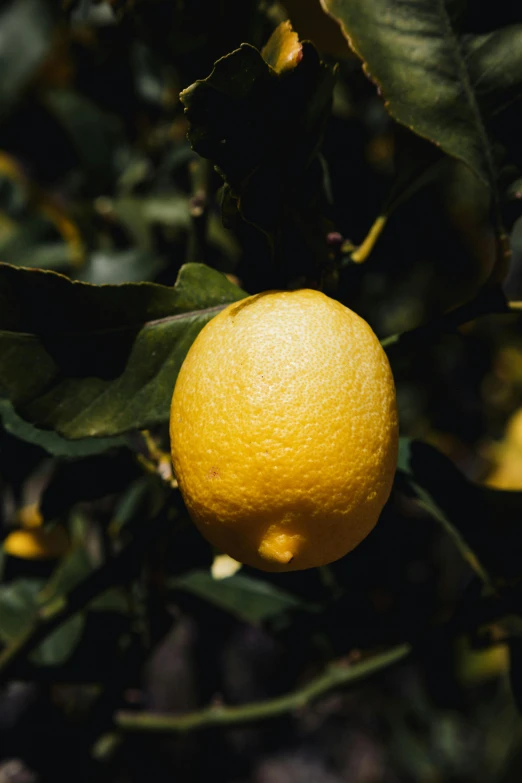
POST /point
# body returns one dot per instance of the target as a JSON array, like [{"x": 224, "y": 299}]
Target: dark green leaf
[
  {"x": 100, "y": 360},
  {"x": 484, "y": 522},
  {"x": 17, "y": 606},
  {"x": 247, "y": 598},
  {"x": 19, "y": 603},
  {"x": 51, "y": 441},
  {"x": 138, "y": 503},
  {"x": 71, "y": 570},
  {"x": 262, "y": 126},
  {"x": 90, "y": 478},
  {"x": 418, "y": 62},
  {"x": 113, "y": 600},
  {"x": 58, "y": 647},
  {"x": 94, "y": 135}
]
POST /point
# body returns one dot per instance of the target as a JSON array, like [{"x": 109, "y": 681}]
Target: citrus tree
[{"x": 160, "y": 162}]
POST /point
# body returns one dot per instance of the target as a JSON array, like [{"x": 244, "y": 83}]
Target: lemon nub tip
[{"x": 279, "y": 548}]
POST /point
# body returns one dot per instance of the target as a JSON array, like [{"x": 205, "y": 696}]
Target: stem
[
  {"x": 200, "y": 173},
  {"x": 334, "y": 677},
  {"x": 400, "y": 192},
  {"x": 364, "y": 250}
]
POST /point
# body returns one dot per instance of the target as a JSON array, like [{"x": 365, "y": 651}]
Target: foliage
[{"x": 158, "y": 160}]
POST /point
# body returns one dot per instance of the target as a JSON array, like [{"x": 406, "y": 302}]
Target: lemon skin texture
[{"x": 284, "y": 430}]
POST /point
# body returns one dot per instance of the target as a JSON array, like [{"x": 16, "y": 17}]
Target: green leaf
[
  {"x": 247, "y": 598},
  {"x": 71, "y": 570},
  {"x": 120, "y": 266},
  {"x": 260, "y": 121},
  {"x": 495, "y": 65},
  {"x": 27, "y": 36},
  {"x": 484, "y": 522},
  {"x": 97, "y": 361},
  {"x": 419, "y": 63},
  {"x": 50, "y": 441},
  {"x": 90, "y": 478},
  {"x": 141, "y": 501},
  {"x": 58, "y": 647},
  {"x": 113, "y": 600},
  {"x": 19, "y": 604}
]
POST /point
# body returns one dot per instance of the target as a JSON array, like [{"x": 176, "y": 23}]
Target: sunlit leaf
[
  {"x": 283, "y": 50},
  {"x": 97, "y": 361},
  {"x": 415, "y": 57}
]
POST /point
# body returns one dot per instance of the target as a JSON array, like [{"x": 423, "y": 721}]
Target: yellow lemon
[
  {"x": 284, "y": 430},
  {"x": 38, "y": 543}
]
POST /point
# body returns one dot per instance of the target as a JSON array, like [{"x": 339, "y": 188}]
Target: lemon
[
  {"x": 38, "y": 543},
  {"x": 284, "y": 430}
]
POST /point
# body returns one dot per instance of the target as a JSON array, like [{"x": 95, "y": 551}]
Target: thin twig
[
  {"x": 200, "y": 171},
  {"x": 336, "y": 676}
]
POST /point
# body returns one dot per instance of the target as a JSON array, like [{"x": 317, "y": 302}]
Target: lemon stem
[{"x": 363, "y": 251}]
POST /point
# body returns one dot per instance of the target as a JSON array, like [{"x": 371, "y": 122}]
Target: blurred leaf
[
  {"x": 90, "y": 478},
  {"x": 50, "y": 441},
  {"x": 19, "y": 604},
  {"x": 484, "y": 522},
  {"x": 60, "y": 644},
  {"x": 113, "y": 600},
  {"x": 26, "y": 37},
  {"x": 417, "y": 61},
  {"x": 71, "y": 570},
  {"x": 247, "y": 598},
  {"x": 95, "y": 135},
  {"x": 100, "y": 360},
  {"x": 120, "y": 266},
  {"x": 141, "y": 500},
  {"x": 155, "y": 81}
]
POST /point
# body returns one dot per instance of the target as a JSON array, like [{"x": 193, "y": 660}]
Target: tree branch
[{"x": 335, "y": 676}]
